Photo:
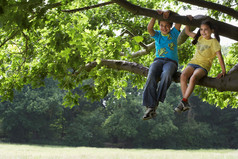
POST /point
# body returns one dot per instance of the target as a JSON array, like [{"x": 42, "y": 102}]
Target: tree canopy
[{"x": 105, "y": 43}]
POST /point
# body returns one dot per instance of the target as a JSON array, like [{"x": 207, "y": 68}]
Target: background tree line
[{"x": 38, "y": 116}]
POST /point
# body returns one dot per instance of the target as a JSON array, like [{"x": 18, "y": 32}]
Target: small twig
[
  {"x": 27, "y": 38},
  {"x": 13, "y": 35}
]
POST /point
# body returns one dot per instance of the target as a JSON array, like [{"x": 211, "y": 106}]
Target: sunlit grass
[{"x": 14, "y": 151}]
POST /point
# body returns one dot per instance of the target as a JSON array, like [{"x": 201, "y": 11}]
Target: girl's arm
[
  {"x": 220, "y": 58},
  {"x": 188, "y": 32},
  {"x": 187, "y": 28}
]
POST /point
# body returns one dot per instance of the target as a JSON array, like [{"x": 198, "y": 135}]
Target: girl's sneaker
[
  {"x": 150, "y": 113},
  {"x": 182, "y": 107}
]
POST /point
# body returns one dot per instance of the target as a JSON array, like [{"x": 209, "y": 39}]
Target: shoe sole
[
  {"x": 150, "y": 117},
  {"x": 185, "y": 109},
  {"x": 178, "y": 110}
]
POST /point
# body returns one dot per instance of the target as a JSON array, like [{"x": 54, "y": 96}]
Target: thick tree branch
[
  {"x": 87, "y": 8},
  {"x": 233, "y": 69},
  {"x": 224, "y": 29},
  {"x": 214, "y": 6},
  {"x": 227, "y": 83}
]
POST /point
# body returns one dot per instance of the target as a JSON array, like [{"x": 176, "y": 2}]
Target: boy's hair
[
  {"x": 170, "y": 23},
  {"x": 211, "y": 26}
]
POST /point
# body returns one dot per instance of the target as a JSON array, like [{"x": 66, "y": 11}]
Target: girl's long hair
[{"x": 211, "y": 26}]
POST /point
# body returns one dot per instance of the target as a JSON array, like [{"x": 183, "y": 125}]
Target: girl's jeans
[{"x": 163, "y": 69}]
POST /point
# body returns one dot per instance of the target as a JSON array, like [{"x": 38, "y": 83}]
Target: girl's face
[
  {"x": 206, "y": 31},
  {"x": 164, "y": 27}
]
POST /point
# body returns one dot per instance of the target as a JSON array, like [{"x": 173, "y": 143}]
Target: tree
[
  {"x": 34, "y": 115},
  {"x": 44, "y": 39}
]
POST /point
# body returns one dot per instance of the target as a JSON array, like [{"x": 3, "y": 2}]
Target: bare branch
[
  {"x": 87, "y": 8},
  {"x": 149, "y": 47},
  {"x": 116, "y": 64},
  {"x": 214, "y": 6}
]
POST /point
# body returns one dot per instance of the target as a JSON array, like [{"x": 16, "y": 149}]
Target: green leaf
[{"x": 138, "y": 39}]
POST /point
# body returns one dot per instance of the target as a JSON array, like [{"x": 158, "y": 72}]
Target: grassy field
[{"x": 13, "y": 151}]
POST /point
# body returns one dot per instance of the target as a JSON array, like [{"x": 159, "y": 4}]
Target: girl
[{"x": 206, "y": 50}]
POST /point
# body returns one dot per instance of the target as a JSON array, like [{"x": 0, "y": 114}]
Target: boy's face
[{"x": 164, "y": 27}]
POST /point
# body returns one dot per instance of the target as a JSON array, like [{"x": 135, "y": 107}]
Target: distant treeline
[{"x": 38, "y": 116}]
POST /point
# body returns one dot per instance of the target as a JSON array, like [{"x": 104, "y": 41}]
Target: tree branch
[
  {"x": 214, "y": 6},
  {"x": 227, "y": 83},
  {"x": 224, "y": 29},
  {"x": 87, "y": 8},
  {"x": 233, "y": 69},
  {"x": 149, "y": 47}
]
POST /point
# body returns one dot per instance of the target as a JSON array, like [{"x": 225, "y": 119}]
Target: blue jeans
[{"x": 154, "y": 91}]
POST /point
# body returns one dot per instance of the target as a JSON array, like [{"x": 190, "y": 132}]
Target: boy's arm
[
  {"x": 220, "y": 58},
  {"x": 151, "y": 24},
  {"x": 150, "y": 27},
  {"x": 177, "y": 25}
]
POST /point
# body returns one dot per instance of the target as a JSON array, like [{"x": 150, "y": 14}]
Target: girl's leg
[
  {"x": 196, "y": 76},
  {"x": 186, "y": 74}
]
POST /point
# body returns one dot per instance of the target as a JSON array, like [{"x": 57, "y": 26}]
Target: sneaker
[
  {"x": 150, "y": 113},
  {"x": 182, "y": 107},
  {"x": 179, "y": 108}
]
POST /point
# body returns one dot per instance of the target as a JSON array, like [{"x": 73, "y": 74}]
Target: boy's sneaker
[
  {"x": 150, "y": 113},
  {"x": 182, "y": 107}
]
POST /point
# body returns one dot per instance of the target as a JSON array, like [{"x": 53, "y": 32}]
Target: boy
[{"x": 164, "y": 66}]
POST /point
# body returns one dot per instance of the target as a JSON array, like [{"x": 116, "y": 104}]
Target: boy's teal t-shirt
[{"x": 166, "y": 45}]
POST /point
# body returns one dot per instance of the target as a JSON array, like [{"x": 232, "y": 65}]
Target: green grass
[{"x": 14, "y": 151}]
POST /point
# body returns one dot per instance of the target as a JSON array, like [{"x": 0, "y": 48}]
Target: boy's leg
[
  {"x": 150, "y": 93},
  {"x": 166, "y": 78}
]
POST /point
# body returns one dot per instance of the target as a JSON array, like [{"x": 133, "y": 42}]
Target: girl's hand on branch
[{"x": 221, "y": 75}]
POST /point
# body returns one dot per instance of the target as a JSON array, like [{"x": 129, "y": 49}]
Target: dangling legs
[{"x": 195, "y": 75}]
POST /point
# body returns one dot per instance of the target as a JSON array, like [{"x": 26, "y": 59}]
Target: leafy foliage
[{"x": 38, "y": 40}]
